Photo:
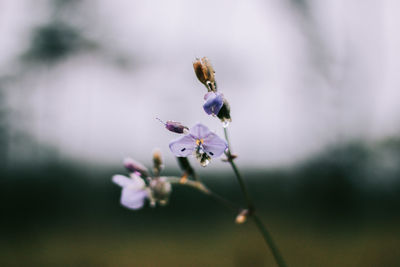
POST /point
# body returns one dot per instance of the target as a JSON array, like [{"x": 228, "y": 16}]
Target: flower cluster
[
  {"x": 204, "y": 145},
  {"x": 139, "y": 186},
  {"x": 198, "y": 141}
]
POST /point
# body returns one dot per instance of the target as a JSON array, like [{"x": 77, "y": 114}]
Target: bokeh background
[{"x": 314, "y": 88}]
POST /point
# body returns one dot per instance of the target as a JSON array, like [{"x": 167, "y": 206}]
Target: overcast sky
[{"x": 298, "y": 75}]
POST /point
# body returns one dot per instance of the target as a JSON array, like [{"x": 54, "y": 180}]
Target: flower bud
[
  {"x": 185, "y": 166},
  {"x": 184, "y": 179},
  {"x": 242, "y": 216},
  {"x": 205, "y": 73},
  {"x": 175, "y": 127},
  {"x": 160, "y": 190},
  {"x": 157, "y": 163},
  {"x": 134, "y": 166}
]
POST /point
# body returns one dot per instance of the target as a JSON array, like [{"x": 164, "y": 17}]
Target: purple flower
[
  {"x": 214, "y": 103},
  {"x": 201, "y": 142},
  {"x": 134, "y": 191}
]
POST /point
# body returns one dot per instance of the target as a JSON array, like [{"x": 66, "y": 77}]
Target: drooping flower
[
  {"x": 213, "y": 104},
  {"x": 217, "y": 105},
  {"x": 201, "y": 142},
  {"x": 134, "y": 191}
]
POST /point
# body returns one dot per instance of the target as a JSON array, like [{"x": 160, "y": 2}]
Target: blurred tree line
[{"x": 346, "y": 183}]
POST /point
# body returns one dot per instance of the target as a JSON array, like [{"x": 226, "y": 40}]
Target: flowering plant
[{"x": 204, "y": 145}]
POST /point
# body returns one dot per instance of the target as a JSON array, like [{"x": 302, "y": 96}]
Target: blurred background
[{"x": 314, "y": 91}]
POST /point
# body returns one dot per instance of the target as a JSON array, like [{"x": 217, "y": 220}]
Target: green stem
[
  {"x": 243, "y": 187},
  {"x": 195, "y": 184},
  {"x": 260, "y": 225},
  {"x": 269, "y": 240},
  {"x": 205, "y": 190}
]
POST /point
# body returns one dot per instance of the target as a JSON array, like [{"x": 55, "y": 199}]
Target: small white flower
[{"x": 134, "y": 191}]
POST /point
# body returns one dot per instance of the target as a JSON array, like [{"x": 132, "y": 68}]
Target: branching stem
[{"x": 205, "y": 190}]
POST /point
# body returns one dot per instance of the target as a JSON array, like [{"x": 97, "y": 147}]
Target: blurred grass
[
  {"x": 326, "y": 212},
  {"x": 204, "y": 243}
]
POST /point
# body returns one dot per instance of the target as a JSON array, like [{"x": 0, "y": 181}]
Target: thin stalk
[
  {"x": 269, "y": 240},
  {"x": 243, "y": 187},
  {"x": 195, "y": 184},
  {"x": 260, "y": 225},
  {"x": 205, "y": 190}
]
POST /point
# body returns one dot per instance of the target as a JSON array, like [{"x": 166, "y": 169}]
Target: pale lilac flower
[
  {"x": 201, "y": 142},
  {"x": 134, "y": 191},
  {"x": 214, "y": 103}
]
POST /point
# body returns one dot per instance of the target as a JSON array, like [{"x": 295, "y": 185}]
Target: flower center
[{"x": 199, "y": 141}]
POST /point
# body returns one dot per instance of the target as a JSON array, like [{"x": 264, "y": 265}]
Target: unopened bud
[
  {"x": 183, "y": 179},
  {"x": 134, "y": 166},
  {"x": 185, "y": 166},
  {"x": 157, "y": 163},
  {"x": 175, "y": 127},
  {"x": 205, "y": 73},
  {"x": 160, "y": 190},
  {"x": 242, "y": 216}
]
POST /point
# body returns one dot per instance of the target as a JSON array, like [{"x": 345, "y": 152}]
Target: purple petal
[
  {"x": 183, "y": 146},
  {"x": 121, "y": 180},
  {"x": 214, "y": 103},
  {"x": 132, "y": 198},
  {"x": 199, "y": 131},
  {"x": 214, "y": 145},
  {"x": 209, "y": 94}
]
